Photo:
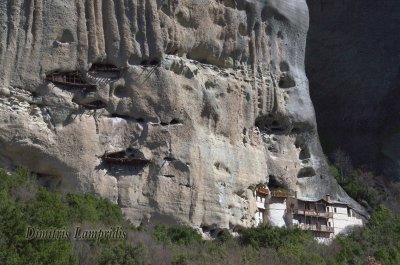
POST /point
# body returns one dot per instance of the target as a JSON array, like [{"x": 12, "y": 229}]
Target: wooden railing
[
  {"x": 282, "y": 194},
  {"x": 73, "y": 79},
  {"x": 104, "y": 67},
  {"x": 317, "y": 228},
  {"x": 312, "y": 213}
]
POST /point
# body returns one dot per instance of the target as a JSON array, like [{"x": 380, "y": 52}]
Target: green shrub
[
  {"x": 23, "y": 204},
  {"x": 378, "y": 239},
  {"x": 354, "y": 185},
  {"x": 124, "y": 253},
  {"x": 176, "y": 235},
  {"x": 182, "y": 259},
  {"x": 88, "y": 208},
  {"x": 274, "y": 237},
  {"x": 224, "y": 236},
  {"x": 334, "y": 171}
]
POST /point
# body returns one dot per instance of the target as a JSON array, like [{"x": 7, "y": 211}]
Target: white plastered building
[{"x": 324, "y": 217}]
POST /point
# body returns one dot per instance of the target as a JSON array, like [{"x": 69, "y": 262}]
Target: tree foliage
[{"x": 24, "y": 204}]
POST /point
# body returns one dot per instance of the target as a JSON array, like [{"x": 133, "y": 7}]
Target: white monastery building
[{"x": 324, "y": 217}]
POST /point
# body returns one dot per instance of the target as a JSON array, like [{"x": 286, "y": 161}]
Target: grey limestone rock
[{"x": 175, "y": 110}]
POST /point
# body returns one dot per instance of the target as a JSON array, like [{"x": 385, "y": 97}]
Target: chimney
[
  {"x": 328, "y": 197},
  {"x": 295, "y": 194}
]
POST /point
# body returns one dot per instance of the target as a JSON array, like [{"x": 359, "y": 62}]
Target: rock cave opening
[
  {"x": 49, "y": 182},
  {"x": 125, "y": 157},
  {"x": 121, "y": 92},
  {"x": 286, "y": 80},
  {"x": 91, "y": 105},
  {"x": 269, "y": 125},
  {"x": 275, "y": 184},
  {"x": 306, "y": 172},
  {"x": 66, "y": 36}
]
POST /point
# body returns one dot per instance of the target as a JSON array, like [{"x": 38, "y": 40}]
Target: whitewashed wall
[
  {"x": 341, "y": 219},
  {"x": 259, "y": 217},
  {"x": 276, "y": 210},
  {"x": 260, "y": 214}
]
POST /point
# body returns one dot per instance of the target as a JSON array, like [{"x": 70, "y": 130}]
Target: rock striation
[{"x": 175, "y": 110}]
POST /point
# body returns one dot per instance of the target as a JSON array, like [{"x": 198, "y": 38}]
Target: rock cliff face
[
  {"x": 353, "y": 66},
  {"x": 175, "y": 110}
]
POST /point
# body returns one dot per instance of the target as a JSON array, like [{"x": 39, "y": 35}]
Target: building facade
[
  {"x": 262, "y": 194},
  {"x": 324, "y": 217}
]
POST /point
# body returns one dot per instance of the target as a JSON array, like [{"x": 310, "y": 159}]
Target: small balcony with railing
[
  {"x": 282, "y": 194},
  {"x": 312, "y": 213},
  {"x": 316, "y": 228}
]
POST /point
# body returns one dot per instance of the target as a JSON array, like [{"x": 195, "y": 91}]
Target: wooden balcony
[
  {"x": 70, "y": 79},
  {"x": 316, "y": 228},
  {"x": 282, "y": 194},
  {"x": 312, "y": 213},
  {"x": 105, "y": 70},
  {"x": 263, "y": 191},
  {"x": 104, "y": 67}
]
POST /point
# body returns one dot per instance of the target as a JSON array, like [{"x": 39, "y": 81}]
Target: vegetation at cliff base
[{"x": 23, "y": 204}]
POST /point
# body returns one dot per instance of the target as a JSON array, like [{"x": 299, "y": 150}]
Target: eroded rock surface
[{"x": 197, "y": 103}]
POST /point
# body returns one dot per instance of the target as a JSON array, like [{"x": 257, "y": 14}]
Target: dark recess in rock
[
  {"x": 306, "y": 172},
  {"x": 353, "y": 69}
]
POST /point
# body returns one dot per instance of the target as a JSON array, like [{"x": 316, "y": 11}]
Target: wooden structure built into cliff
[
  {"x": 125, "y": 157},
  {"x": 72, "y": 79},
  {"x": 105, "y": 70}
]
